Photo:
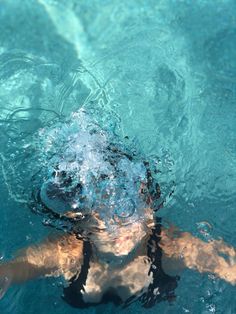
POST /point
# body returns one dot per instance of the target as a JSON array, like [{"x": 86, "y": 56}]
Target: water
[{"x": 164, "y": 74}]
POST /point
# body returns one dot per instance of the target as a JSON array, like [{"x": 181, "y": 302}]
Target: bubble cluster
[{"x": 90, "y": 171}]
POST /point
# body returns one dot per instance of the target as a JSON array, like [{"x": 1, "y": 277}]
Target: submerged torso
[
  {"x": 139, "y": 276},
  {"x": 125, "y": 281}
]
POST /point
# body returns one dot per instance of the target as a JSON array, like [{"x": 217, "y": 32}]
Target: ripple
[{"x": 220, "y": 53}]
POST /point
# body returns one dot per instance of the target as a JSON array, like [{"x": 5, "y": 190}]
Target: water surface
[{"x": 162, "y": 73}]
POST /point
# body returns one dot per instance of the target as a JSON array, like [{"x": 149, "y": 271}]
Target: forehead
[{"x": 116, "y": 222}]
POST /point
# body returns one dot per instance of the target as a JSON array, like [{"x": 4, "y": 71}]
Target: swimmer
[{"x": 116, "y": 249}]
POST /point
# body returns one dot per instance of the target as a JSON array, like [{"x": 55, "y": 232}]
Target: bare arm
[
  {"x": 53, "y": 257},
  {"x": 185, "y": 250}
]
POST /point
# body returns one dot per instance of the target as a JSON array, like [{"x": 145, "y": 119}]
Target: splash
[{"x": 90, "y": 171}]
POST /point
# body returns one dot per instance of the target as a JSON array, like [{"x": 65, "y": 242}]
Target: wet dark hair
[
  {"x": 150, "y": 192},
  {"x": 87, "y": 170}
]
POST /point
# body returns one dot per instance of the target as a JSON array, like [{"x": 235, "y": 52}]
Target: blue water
[{"x": 161, "y": 72}]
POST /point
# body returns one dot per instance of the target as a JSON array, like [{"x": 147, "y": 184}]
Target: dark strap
[
  {"x": 72, "y": 294},
  {"x": 163, "y": 286}
]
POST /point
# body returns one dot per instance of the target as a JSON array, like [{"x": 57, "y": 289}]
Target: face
[{"x": 123, "y": 238}]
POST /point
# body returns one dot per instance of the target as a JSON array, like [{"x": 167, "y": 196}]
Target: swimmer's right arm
[{"x": 61, "y": 256}]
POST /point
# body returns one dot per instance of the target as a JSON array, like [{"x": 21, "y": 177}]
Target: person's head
[
  {"x": 105, "y": 188},
  {"x": 117, "y": 229}
]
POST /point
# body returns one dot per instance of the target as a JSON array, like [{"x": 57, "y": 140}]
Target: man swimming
[{"x": 114, "y": 247}]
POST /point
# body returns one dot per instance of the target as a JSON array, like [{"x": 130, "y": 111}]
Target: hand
[{"x": 228, "y": 274}]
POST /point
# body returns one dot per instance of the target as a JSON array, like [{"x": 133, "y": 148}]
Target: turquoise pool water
[{"x": 162, "y": 73}]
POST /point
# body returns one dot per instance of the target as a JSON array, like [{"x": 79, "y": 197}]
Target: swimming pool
[{"x": 162, "y": 73}]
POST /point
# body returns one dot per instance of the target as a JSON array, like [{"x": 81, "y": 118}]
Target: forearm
[
  {"x": 19, "y": 270},
  {"x": 32, "y": 262},
  {"x": 53, "y": 257},
  {"x": 202, "y": 256}
]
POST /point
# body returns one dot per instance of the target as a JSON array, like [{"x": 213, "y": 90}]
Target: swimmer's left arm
[{"x": 185, "y": 250}]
